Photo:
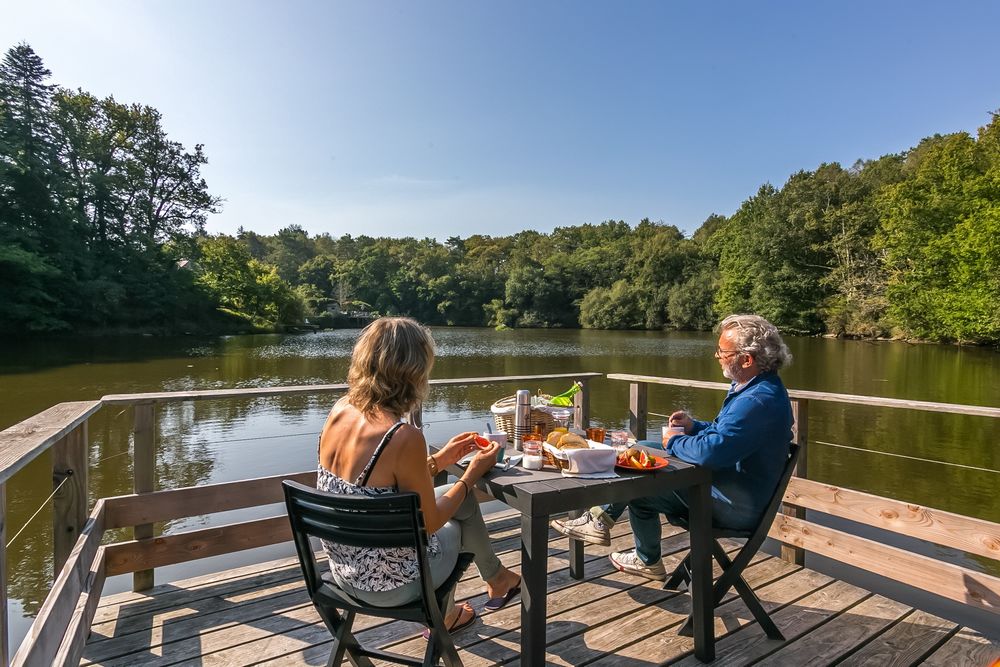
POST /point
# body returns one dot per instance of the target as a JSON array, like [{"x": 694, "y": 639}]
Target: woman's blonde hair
[{"x": 390, "y": 366}]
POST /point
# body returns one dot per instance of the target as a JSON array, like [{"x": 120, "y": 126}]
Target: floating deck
[{"x": 260, "y": 614}]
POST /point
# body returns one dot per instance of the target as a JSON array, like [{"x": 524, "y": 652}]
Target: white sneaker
[
  {"x": 586, "y": 528},
  {"x": 630, "y": 563}
]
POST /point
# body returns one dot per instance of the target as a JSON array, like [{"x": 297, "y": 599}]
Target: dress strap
[{"x": 363, "y": 477}]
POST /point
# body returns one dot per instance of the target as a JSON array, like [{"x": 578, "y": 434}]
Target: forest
[{"x": 103, "y": 228}]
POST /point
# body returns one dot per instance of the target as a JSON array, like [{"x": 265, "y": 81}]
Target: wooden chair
[
  {"x": 392, "y": 520},
  {"x": 732, "y": 570}
]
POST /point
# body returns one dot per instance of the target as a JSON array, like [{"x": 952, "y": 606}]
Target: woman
[{"x": 366, "y": 449}]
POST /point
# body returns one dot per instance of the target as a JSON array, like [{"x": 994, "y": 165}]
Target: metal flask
[{"x": 522, "y": 417}]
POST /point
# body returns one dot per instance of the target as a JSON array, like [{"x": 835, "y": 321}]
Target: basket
[
  {"x": 503, "y": 415},
  {"x": 598, "y": 458}
]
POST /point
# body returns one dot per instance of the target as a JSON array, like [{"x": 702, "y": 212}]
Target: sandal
[
  {"x": 461, "y": 622},
  {"x": 497, "y": 603}
]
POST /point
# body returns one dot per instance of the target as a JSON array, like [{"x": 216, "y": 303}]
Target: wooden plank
[
  {"x": 69, "y": 504},
  {"x": 139, "y": 555},
  {"x": 148, "y": 508},
  {"x": 904, "y": 643},
  {"x": 75, "y": 640},
  {"x": 23, "y": 442},
  {"x": 800, "y": 436},
  {"x": 945, "y": 528},
  {"x": 212, "y": 394},
  {"x": 143, "y": 478},
  {"x": 831, "y": 641},
  {"x": 46, "y": 632},
  {"x": 967, "y": 648},
  {"x": 749, "y": 644},
  {"x": 954, "y": 582},
  {"x": 929, "y": 406}
]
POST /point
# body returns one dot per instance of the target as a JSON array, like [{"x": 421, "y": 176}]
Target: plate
[{"x": 658, "y": 464}]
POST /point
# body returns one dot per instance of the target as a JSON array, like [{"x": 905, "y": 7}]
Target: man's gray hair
[{"x": 757, "y": 337}]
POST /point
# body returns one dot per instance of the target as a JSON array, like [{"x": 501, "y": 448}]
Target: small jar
[{"x": 532, "y": 454}]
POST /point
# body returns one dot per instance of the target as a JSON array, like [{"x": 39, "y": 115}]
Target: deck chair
[
  {"x": 732, "y": 570},
  {"x": 391, "y": 520}
]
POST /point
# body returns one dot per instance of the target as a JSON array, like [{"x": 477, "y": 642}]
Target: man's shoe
[
  {"x": 630, "y": 563},
  {"x": 586, "y": 528}
]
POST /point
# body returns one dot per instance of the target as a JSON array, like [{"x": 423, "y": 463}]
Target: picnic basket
[{"x": 503, "y": 415}]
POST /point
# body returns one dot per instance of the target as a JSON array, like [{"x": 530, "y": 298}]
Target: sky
[{"x": 438, "y": 119}]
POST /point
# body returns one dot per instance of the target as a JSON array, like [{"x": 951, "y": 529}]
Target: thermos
[{"x": 522, "y": 417}]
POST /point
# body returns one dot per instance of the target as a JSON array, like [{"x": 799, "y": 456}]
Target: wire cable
[
  {"x": 40, "y": 508},
  {"x": 905, "y": 456}
]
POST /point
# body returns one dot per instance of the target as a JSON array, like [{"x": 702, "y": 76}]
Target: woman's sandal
[
  {"x": 461, "y": 622},
  {"x": 497, "y": 603}
]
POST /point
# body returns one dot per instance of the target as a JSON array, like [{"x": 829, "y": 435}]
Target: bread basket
[
  {"x": 503, "y": 415},
  {"x": 597, "y": 459}
]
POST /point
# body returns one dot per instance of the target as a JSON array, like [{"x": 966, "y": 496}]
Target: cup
[
  {"x": 501, "y": 439},
  {"x": 619, "y": 440},
  {"x": 670, "y": 431},
  {"x": 596, "y": 433}
]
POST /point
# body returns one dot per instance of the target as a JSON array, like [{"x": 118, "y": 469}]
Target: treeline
[{"x": 102, "y": 225}]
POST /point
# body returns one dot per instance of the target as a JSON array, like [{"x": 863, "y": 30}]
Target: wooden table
[{"x": 538, "y": 494}]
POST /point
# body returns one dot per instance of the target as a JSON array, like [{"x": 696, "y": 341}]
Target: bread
[
  {"x": 554, "y": 436},
  {"x": 572, "y": 441}
]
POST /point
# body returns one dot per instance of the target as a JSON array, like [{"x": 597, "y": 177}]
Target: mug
[{"x": 500, "y": 438}]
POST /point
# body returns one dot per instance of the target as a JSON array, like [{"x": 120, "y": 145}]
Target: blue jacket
[{"x": 746, "y": 447}]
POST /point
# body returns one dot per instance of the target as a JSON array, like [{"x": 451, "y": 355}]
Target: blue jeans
[{"x": 644, "y": 517}]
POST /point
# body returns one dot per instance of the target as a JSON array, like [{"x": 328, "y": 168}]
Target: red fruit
[{"x": 482, "y": 442}]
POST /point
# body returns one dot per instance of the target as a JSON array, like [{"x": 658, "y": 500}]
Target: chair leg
[
  {"x": 752, "y": 602},
  {"x": 344, "y": 643},
  {"x": 681, "y": 574}
]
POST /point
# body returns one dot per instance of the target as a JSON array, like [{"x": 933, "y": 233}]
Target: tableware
[
  {"x": 596, "y": 433},
  {"x": 670, "y": 431},
  {"x": 658, "y": 464},
  {"x": 619, "y": 440},
  {"x": 532, "y": 450},
  {"x": 597, "y": 458},
  {"x": 501, "y": 439}
]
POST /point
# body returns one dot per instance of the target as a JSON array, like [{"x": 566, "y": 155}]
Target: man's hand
[
  {"x": 456, "y": 449},
  {"x": 682, "y": 419}
]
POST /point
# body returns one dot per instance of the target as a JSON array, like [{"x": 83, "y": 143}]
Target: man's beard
[{"x": 730, "y": 369}]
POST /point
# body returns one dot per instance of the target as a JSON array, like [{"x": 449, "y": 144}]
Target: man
[{"x": 746, "y": 447}]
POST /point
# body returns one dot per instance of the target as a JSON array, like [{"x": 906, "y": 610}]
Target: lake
[{"x": 944, "y": 461}]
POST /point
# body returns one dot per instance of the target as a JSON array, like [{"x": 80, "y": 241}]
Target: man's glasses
[{"x": 724, "y": 354}]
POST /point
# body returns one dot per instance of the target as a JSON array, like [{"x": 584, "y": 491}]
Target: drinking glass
[
  {"x": 596, "y": 433},
  {"x": 619, "y": 440}
]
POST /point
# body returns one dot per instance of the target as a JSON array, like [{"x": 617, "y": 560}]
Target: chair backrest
[
  {"x": 767, "y": 518},
  {"x": 386, "y": 521}
]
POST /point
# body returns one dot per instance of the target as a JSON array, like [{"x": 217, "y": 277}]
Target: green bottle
[{"x": 565, "y": 399}]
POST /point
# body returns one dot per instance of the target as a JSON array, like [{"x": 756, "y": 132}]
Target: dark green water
[{"x": 214, "y": 441}]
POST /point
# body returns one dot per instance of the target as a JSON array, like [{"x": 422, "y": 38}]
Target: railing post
[
  {"x": 638, "y": 409},
  {"x": 143, "y": 465},
  {"x": 4, "y": 639},
  {"x": 69, "y": 505},
  {"x": 800, "y": 436},
  {"x": 581, "y": 405}
]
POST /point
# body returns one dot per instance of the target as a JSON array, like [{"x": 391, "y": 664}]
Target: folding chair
[
  {"x": 732, "y": 570},
  {"x": 391, "y": 520}
]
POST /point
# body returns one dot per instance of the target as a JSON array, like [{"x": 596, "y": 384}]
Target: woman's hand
[
  {"x": 482, "y": 462},
  {"x": 456, "y": 449},
  {"x": 683, "y": 419}
]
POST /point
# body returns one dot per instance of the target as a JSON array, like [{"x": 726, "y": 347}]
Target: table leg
[
  {"x": 576, "y": 558},
  {"x": 701, "y": 572},
  {"x": 534, "y": 572}
]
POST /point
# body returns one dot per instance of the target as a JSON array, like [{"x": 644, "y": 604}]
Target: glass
[
  {"x": 619, "y": 440},
  {"x": 596, "y": 433},
  {"x": 670, "y": 431},
  {"x": 724, "y": 354},
  {"x": 561, "y": 419},
  {"x": 532, "y": 454}
]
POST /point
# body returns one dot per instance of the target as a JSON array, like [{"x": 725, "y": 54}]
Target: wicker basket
[{"x": 503, "y": 414}]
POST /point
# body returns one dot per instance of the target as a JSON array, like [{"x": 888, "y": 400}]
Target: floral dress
[{"x": 367, "y": 568}]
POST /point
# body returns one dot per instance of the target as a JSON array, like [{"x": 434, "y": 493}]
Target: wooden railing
[
  {"x": 798, "y": 536},
  {"x": 82, "y": 562}
]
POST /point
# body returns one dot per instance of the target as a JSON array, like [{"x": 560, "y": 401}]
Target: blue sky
[{"x": 454, "y": 118}]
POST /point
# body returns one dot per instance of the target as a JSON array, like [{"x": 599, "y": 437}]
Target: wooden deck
[{"x": 260, "y": 615}]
